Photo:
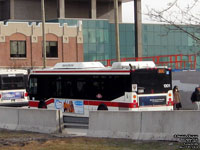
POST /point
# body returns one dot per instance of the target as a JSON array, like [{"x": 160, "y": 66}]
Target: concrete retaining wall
[
  {"x": 35, "y": 120},
  {"x": 156, "y": 125}
]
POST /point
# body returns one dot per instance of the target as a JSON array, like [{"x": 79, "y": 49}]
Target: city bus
[
  {"x": 80, "y": 87},
  {"x": 13, "y": 87}
]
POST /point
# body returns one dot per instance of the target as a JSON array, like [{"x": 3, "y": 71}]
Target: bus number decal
[{"x": 166, "y": 85}]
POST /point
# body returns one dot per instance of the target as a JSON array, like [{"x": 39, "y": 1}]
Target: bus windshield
[
  {"x": 12, "y": 82},
  {"x": 152, "y": 81}
]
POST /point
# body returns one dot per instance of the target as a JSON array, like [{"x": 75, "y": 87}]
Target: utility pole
[
  {"x": 138, "y": 28},
  {"x": 117, "y": 30},
  {"x": 43, "y": 34}
]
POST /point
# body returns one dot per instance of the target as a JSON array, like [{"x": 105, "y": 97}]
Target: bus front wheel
[{"x": 102, "y": 107}]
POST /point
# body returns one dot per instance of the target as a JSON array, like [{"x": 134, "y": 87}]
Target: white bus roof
[
  {"x": 13, "y": 71},
  {"x": 134, "y": 64},
  {"x": 78, "y": 65}
]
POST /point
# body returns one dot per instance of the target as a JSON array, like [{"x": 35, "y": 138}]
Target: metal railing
[{"x": 177, "y": 61}]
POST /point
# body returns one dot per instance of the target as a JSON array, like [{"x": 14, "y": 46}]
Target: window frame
[
  {"x": 49, "y": 54},
  {"x": 18, "y": 55}
]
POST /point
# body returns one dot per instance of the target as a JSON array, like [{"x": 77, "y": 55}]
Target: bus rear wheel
[{"x": 102, "y": 107}]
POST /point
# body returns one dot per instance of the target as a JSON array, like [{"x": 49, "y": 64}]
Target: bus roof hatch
[
  {"x": 78, "y": 65},
  {"x": 134, "y": 64}
]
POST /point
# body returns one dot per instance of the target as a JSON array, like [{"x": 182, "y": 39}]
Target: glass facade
[{"x": 157, "y": 39}]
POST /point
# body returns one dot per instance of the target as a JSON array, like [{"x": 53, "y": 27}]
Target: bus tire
[{"x": 102, "y": 107}]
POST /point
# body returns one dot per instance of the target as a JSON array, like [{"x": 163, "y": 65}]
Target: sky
[{"x": 128, "y": 9}]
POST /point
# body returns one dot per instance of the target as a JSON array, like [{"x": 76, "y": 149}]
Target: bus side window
[
  {"x": 67, "y": 89},
  {"x": 0, "y": 82},
  {"x": 33, "y": 86},
  {"x": 81, "y": 89}
]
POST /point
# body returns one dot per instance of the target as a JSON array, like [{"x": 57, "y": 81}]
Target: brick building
[
  {"x": 21, "y": 44},
  {"x": 21, "y": 32}
]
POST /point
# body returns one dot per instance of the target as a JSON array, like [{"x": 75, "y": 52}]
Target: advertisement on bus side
[
  {"x": 152, "y": 100},
  {"x": 70, "y": 106},
  {"x": 12, "y": 95}
]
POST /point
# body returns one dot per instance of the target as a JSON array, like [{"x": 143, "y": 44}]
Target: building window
[
  {"x": 17, "y": 48},
  {"x": 51, "y": 49}
]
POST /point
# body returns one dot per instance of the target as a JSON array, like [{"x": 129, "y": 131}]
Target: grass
[{"x": 11, "y": 140}]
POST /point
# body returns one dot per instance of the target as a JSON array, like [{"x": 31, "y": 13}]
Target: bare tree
[{"x": 179, "y": 16}]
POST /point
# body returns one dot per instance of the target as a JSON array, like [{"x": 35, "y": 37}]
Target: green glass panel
[
  {"x": 100, "y": 48},
  {"x": 164, "y": 40},
  {"x": 113, "y": 38},
  {"x": 198, "y": 61},
  {"x": 130, "y": 39},
  {"x": 85, "y": 25},
  {"x": 123, "y": 55},
  {"x": 107, "y": 48},
  {"x": 107, "y": 56},
  {"x": 177, "y": 38},
  {"x": 150, "y": 38},
  {"x": 163, "y": 29},
  {"x": 92, "y": 48},
  {"x": 122, "y": 27},
  {"x": 86, "y": 58},
  {"x": 92, "y": 57},
  {"x": 85, "y": 36},
  {"x": 145, "y": 27},
  {"x": 122, "y": 38},
  {"x": 100, "y": 57},
  {"x": 157, "y": 38},
  {"x": 129, "y": 27},
  {"x": 106, "y": 24},
  {"x": 130, "y": 51},
  {"x": 150, "y": 50},
  {"x": 112, "y": 27},
  {"x": 156, "y": 28},
  {"x": 145, "y": 48},
  {"x": 85, "y": 46},
  {"x": 91, "y": 24},
  {"x": 100, "y": 24},
  {"x": 184, "y": 58},
  {"x": 171, "y": 39},
  {"x": 91, "y": 36},
  {"x": 150, "y": 28},
  {"x": 190, "y": 41},
  {"x": 123, "y": 49},
  {"x": 144, "y": 38},
  {"x": 72, "y": 22},
  {"x": 106, "y": 36},
  {"x": 145, "y": 54},
  {"x": 183, "y": 41},
  {"x": 99, "y": 36}
]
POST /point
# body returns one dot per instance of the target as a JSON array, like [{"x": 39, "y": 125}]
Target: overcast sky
[{"x": 128, "y": 8}]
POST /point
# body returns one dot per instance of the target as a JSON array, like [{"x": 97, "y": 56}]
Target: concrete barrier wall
[
  {"x": 156, "y": 125},
  {"x": 35, "y": 120}
]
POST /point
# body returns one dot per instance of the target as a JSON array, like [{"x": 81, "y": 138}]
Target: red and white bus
[
  {"x": 13, "y": 87},
  {"x": 79, "y": 87}
]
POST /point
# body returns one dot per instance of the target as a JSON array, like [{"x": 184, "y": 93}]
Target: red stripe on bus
[
  {"x": 111, "y": 104},
  {"x": 33, "y": 103},
  {"x": 87, "y": 102},
  {"x": 49, "y": 101},
  {"x": 36, "y": 103}
]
